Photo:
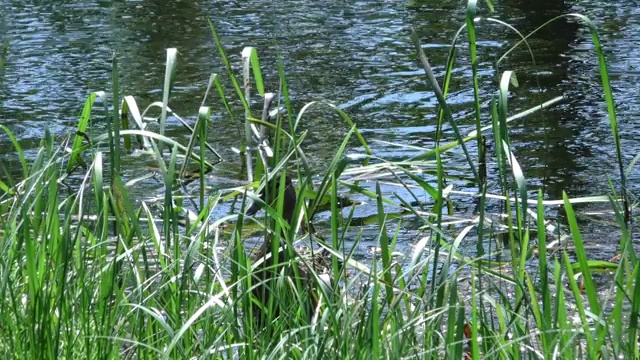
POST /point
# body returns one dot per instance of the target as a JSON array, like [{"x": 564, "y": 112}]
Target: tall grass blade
[
  {"x": 581, "y": 254},
  {"x": 473, "y": 55},
  {"x": 170, "y": 68},
  {"x": 442, "y": 101},
  {"x": 83, "y": 124},
  {"x": 115, "y": 122},
  {"x": 18, "y": 149},
  {"x": 4, "y": 55}
]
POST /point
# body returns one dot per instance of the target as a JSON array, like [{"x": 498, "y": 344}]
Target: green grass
[
  {"x": 4, "y": 55},
  {"x": 89, "y": 271}
]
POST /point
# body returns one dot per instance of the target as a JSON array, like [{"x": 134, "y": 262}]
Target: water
[{"x": 356, "y": 54}]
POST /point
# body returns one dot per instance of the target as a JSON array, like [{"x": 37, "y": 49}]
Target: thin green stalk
[{"x": 115, "y": 146}]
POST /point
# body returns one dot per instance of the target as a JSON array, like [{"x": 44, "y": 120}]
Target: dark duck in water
[{"x": 302, "y": 271}]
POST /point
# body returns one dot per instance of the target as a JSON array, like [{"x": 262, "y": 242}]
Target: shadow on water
[
  {"x": 565, "y": 148},
  {"x": 550, "y": 143}
]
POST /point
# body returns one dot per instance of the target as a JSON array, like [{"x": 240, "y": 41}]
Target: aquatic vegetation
[{"x": 90, "y": 269}]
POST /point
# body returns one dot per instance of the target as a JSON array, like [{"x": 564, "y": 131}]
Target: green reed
[{"x": 89, "y": 270}]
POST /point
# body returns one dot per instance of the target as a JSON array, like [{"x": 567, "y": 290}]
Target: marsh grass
[
  {"x": 4, "y": 56},
  {"x": 90, "y": 272}
]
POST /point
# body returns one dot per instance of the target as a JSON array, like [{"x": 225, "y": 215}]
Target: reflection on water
[{"x": 354, "y": 53}]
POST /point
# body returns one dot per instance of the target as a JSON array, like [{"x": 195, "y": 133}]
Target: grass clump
[{"x": 89, "y": 271}]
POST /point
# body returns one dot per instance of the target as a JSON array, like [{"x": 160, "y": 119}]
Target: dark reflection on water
[{"x": 355, "y": 54}]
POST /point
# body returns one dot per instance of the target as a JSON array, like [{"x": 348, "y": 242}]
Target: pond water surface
[{"x": 355, "y": 54}]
